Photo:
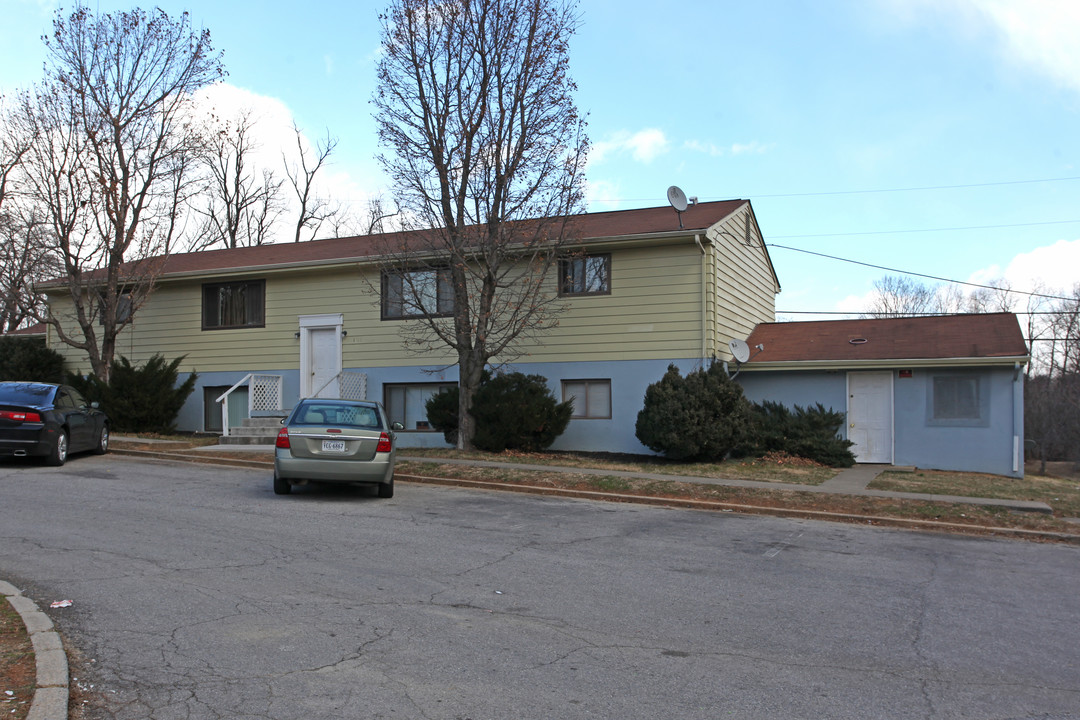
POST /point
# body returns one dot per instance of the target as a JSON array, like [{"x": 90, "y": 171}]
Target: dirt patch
[{"x": 18, "y": 668}]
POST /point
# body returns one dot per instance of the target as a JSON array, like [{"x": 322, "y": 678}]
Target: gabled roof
[
  {"x": 589, "y": 227},
  {"x": 974, "y": 339}
]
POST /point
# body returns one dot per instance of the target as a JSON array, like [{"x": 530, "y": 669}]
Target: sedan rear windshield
[
  {"x": 337, "y": 414},
  {"x": 26, "y": 394}
]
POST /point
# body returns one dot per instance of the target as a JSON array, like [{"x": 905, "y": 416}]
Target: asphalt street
[{"x": 198, "y": 594}]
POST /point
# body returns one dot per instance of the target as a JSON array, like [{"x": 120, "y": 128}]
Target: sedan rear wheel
[
  {"x": 281, "y": 485},
  {"x": 386, "y": 490},
  {"x": 58, "y": 454}
]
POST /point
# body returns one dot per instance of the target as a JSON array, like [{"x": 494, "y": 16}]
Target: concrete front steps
[{"x": 254, "y": 431}]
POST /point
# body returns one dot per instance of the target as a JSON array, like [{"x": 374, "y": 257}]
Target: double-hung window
[
  {"x": 585, "y": 275},
  {"x": 591, "y": 398},
  {"x": 417, "y": 293},
  {"x": 233, "y": 304},
  {"x": 406, "y": 403}
]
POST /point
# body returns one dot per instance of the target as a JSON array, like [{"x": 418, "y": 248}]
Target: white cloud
[
  {"x": 643, "y": 146},
  {"x": 328, "y": 60},
  {"x": 706, "y": 148},
  {"x": 1040, "y": 34},
  {"x": 1051, "y": 268},
  {"x": 751, "y": 148},
  {"x": 275, "y": 138}
]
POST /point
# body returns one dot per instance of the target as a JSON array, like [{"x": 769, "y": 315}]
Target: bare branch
[
  {"x": 487, "y": 154},
  {"x": 114, "y": 143}
]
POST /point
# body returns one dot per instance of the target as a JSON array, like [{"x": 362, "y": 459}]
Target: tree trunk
[{"x": 471, "y": 372}]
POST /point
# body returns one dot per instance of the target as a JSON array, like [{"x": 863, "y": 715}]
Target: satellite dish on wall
[
  {"x": 739, "y": 350},
  {"x": 677, "y": 198}
]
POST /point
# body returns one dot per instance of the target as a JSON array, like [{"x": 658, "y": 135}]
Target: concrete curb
[{"x": 50, "y": 700}]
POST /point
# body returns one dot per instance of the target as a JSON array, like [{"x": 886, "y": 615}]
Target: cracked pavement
[{"x": 198, "y": 594}]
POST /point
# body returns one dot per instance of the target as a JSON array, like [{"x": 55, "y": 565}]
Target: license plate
[{"x": 333, "y": 446}]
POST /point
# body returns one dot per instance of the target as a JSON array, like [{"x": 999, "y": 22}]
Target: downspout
[
  {"x": 1018, "y": 420},
  {"x": 704, "y": 303}
]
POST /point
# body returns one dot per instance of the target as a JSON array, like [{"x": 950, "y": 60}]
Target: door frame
[
  {"x": 891, "y": 400},
  {"x": 326, "y": 321}
]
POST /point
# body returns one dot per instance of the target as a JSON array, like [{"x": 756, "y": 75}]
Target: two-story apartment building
[{"x": 292, "y": 320}]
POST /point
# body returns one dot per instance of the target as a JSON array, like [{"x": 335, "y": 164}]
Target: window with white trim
[{"x": 591, "y": 398}]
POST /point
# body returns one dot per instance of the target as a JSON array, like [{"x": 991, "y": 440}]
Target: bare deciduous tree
[
  {"x": 113, "y": 141},
  {"x": 899, "y": 296},
  {"x": 242, "y": 203},
  {"x": 314, "y": 209},
  {"x": 486, "y": 150},
  {"x": 18, "y": 257}
]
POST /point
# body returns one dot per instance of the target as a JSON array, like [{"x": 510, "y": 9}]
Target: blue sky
[{"x": 807, "y": 109}]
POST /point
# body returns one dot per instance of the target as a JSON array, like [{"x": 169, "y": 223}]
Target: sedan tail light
[
  {"x": 20, "y": 416},
  {"x": 283, "y": 439},
  {"x": 384, "y": 444}
]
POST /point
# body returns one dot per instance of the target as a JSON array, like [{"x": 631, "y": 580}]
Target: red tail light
[
  {"x": 384, "y": 444},
  {"x": 20, "y": 416},
  {"x": 283, "y": 439}
]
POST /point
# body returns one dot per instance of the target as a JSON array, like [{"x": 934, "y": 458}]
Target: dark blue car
[{"x": 49, "y": 421}]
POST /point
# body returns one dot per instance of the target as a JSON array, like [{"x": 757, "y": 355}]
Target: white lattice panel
[
  {"x": 265, "y": 392},
  {"x": 353, "y": 386}
]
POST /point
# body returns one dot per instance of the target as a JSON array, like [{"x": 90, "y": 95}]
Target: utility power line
[
  {"x": 926, "y": 230},
  {"x": 917, "y": 274}
]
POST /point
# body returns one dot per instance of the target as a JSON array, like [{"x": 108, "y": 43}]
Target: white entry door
[
  {"x": 320, "y": 355},
  {"x": 870, "y": 416}
]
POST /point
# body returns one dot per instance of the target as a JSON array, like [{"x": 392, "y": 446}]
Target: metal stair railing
[
  {"x": 264, "y": 395},
  {"x": 352, "y": 385}
]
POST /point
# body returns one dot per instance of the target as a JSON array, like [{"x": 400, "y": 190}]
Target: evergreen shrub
[
  {"x": 702, "y": 416},
  {"x": 140, "y": 399},
  {"x": 29, "y": 359},
  {"x": 513, "y": 411},
  {"x": 803, "y": 432}
]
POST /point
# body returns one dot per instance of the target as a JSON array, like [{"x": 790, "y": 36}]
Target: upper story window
[
  {"x": 585, "y": 275},
  {"x": 235, "y": 304},
  {"x": 417, "y": 293},
  {"x": 123, "y": 307}
]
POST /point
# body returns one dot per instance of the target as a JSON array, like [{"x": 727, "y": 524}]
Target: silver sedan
[{"x": 337, "y": 441}]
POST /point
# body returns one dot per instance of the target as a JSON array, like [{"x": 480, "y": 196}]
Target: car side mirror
[{"x": 396, "y": 426}]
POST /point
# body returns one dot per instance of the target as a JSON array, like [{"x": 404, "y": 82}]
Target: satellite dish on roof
[
  {"x": 677, "y": 198},
  {"x": 739, "y": 350}
]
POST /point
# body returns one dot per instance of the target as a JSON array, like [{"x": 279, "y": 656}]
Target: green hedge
[
  {"x": 23, "y": 358},
  {"x": 140, "y": 399},
  {"x": 513, "y": 411},
  {"x": 702, "y": 416}
]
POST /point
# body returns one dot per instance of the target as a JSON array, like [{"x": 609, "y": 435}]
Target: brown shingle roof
[
  {"x": 994, "y": 335},
  {"x": 587, "y": 226}
]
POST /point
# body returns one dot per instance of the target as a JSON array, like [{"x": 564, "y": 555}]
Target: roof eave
[{"x": 889, "y": 363}]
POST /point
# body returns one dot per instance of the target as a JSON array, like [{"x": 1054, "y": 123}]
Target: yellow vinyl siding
[
  {"x": 742, "y": 284},
  {"x": 653, "y": 311},
  {"x": 667, "y": 301}
]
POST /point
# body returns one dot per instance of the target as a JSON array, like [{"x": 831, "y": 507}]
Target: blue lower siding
[
  {"x": 629, "y": 379},
  {"x": 984, "y": 445}
]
